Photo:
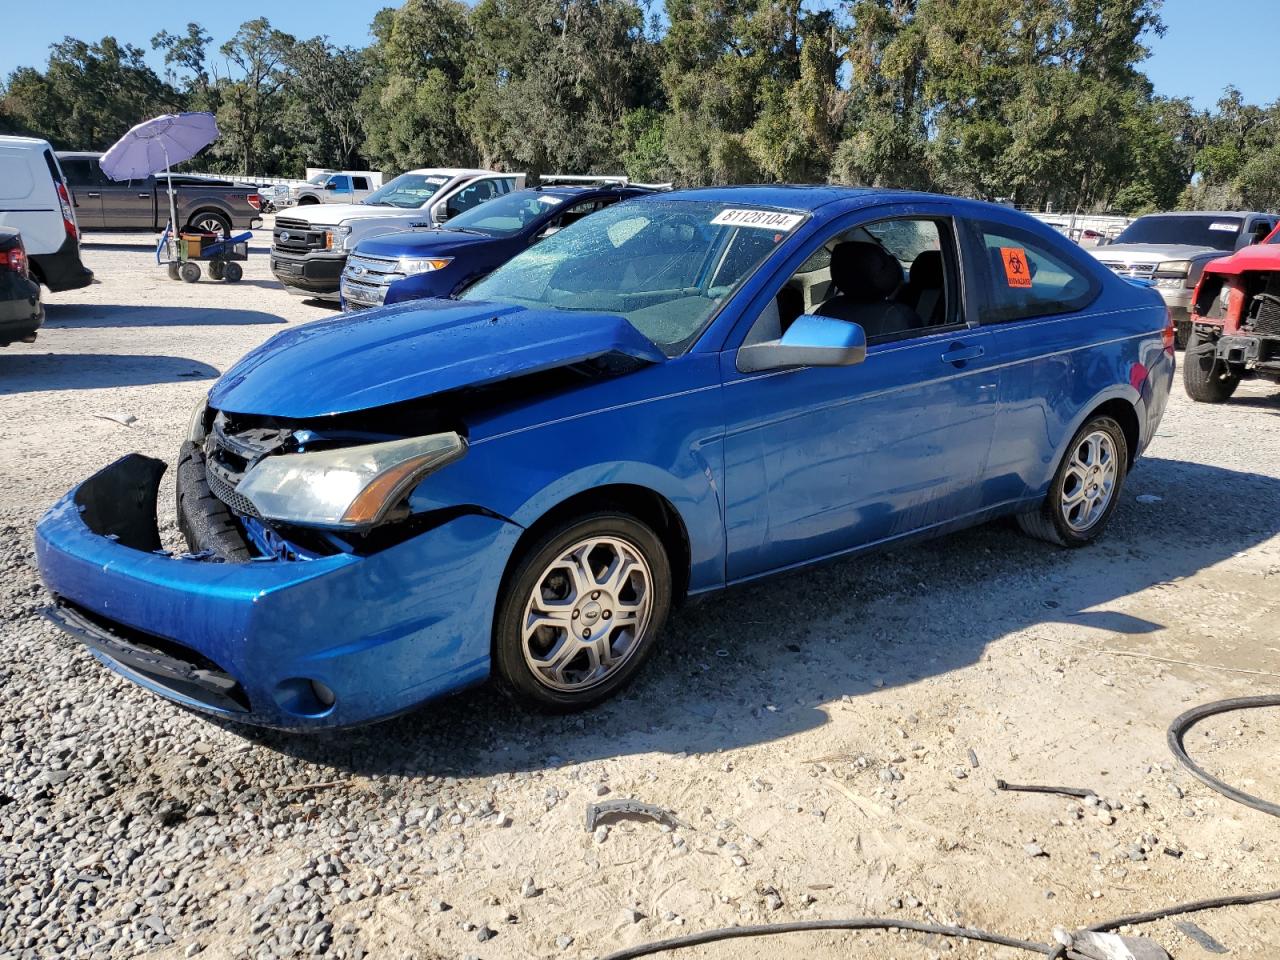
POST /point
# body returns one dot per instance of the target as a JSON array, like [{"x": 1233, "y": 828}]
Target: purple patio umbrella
[{"x": 156, "y": 145}]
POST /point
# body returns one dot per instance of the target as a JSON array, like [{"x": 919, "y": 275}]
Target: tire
[
  {"x": 307, "y": 201},
  {"x": 1206, "y": 378},
  {"x": 189, "y": 271},
  {"x": 216, "y": 269},
  {"x": 173, "y": 272},
  {"x": 232, "y": 272},
  {"x": 210, "y": 221},
  {"x": 546, "y": 566},
  {"x": 1069, "y": 521},
  {"x": 205, "y": 521},
  {"x": 1181, "y": 334}
]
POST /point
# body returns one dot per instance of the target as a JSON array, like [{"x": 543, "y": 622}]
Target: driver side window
[{"x": 896, "y": 278}]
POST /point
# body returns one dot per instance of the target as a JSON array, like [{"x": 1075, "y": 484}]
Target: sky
[{"x": 1207, "y": 45}]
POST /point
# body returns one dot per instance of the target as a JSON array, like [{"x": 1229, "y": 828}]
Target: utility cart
[{"x": 182, "y": 254}]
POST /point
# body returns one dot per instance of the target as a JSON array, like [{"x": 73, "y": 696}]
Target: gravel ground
[{"x": 829, "y": 740}]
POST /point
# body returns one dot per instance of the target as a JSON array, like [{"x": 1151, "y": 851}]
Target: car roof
[
  {"x": 812, "y": 196},
  {"x": 578, "y": 189},
  {"x": 78, "y": 153},
  {"x": 1205, "y": 213},
  {"x": 34, "y": 141},
  {"x": 451, "y": 171}
]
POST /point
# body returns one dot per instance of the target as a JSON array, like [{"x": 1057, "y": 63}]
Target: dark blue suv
[{"x": 415, "y": 264}]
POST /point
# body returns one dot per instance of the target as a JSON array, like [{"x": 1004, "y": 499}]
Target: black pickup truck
[{"x": 203, "y": 203}]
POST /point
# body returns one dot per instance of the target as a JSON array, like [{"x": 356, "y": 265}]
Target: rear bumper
[
  {"x": 313, "y": 275},
  {"x": 62, "y": 270},
  {"x": 21, "y": 312},
  {"x": 383, "y": 632}
]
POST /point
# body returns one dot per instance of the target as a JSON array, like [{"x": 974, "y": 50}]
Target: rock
[
  {"x": 485, "y": 933},
  {"x": 632, "y": 915},
  {"x": 601, "y": 834},
  {"x": 564, "y": 941},
  {"x": 529, "y": 889},
  {"x": 1034, "y": 850}
]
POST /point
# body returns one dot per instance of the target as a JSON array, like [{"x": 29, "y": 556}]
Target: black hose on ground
[{"x": 1177, "y": 730}]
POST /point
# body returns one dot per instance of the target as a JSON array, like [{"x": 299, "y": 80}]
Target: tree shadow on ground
[
  {"x": 96, "y": 315},
  {"x": 760, "y": 663},
  {"x": 42, "y": 372}
]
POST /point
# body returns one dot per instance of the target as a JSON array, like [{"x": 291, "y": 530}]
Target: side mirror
[
  {"x": 810, "y": 341},
  {"x": 330, "y": 185}
]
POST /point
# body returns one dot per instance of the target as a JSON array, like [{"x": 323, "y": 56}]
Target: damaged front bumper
[{"x": 329, "y": 642}]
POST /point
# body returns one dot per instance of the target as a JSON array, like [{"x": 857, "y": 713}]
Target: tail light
[
  {"x": 68, "y": 218},
  {"x": 15, "y": 260},
  {"x": 1170, "y": 334},
  {"x": 255, "y": 201}
]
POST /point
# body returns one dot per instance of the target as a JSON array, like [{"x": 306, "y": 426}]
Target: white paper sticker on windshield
[
  {"x": 550, "y": 201},
  {"x": 1225, "y": 225},
  {"x": 764, "y": 219},
  {"x": 436, "y": 180}
]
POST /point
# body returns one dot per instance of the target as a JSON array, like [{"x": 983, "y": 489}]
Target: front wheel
[
  {"x": 1085, "y": 488},
  {"x": 580, "y": 612},
  {"x": 189, "y": 271},
  {"x": 1206, "y": 378}
]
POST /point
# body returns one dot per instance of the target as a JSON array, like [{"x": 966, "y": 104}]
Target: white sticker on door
[{"x": 763, "y": 219}]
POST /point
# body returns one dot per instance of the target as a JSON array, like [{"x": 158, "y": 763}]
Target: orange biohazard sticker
[{"x": 1016, "y": 271}]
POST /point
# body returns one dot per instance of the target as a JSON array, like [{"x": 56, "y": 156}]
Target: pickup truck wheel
[
  {"x": 1206, "y": 378},
  {"x": 581, "y": 611},
  {"x": 307, "y": 201},
  {"x": 209, "y": 221},
  {"x": 1085, "y": 488},
  {"x": 190, "y": 272}
]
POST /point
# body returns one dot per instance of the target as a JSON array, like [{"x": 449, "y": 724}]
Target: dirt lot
[{"x": 829, "y": 740}]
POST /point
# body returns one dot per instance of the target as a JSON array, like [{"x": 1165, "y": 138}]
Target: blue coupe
[
  {"x": 417, "y": 264},
  {"x": 675, "y": 394}
]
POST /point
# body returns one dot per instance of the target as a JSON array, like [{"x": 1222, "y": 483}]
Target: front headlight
[
  {"x": 1171, "y": 269},
  {"x": 409, "y": 266},
  {"x": 335, "y": 238},
  {"x": 352, "y": 487}
]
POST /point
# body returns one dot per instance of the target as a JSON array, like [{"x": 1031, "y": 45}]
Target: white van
[{"x": 34, "y": 200}]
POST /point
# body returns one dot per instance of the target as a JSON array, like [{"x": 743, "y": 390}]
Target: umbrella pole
[{"x": 173, "y": 209}]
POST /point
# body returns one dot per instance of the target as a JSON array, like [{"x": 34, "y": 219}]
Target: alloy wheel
[
  {"x": 1090, "y": 481},
  {"x": 587, "y": 613}
]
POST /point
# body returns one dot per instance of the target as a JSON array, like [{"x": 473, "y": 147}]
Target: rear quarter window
[{"x": 1026, "y": 276}]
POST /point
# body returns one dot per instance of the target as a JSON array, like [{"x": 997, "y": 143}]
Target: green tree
[{"x": 250, "y": 100}]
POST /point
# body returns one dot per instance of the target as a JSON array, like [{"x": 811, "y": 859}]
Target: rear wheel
[
  {"x": 173, "y": 272},
  {"x": 216, "y": 268},
  {"x": 189, "y": 272},
  {"x": 210, "y": 221},
  {"x": 581, "y": 611},
  {"x": 1085, "y": 488},
  {"x": 1206, "y": 378},
  {"x": 231, "y": 272}
]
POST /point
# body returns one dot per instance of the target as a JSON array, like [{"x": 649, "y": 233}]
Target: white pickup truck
[
  {"x": 310, "y": 243},
  {"x": 335, "y": 186}
]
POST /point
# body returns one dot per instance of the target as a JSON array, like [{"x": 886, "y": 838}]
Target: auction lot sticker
[
  {"x": 1016, "y": 272},
  {"x": 764, "y": 219}
]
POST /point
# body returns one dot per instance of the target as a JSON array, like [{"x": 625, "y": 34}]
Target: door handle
[
  {"x": 93, "y": 195},
  {"x": 959, "y": 353}
]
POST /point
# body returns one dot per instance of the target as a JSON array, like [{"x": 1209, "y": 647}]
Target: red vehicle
[{"x": 1235, "y": 317}]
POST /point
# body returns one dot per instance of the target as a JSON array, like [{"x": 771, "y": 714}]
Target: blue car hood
[
  {"x": 364, "y": 360},
  {"x": 421, "y": 243}
]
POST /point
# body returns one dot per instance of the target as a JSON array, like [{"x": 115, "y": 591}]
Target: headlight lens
[
  {"x": 410, "y": 266},
  {"x": 335, "y": 238},
  {"x": 195, "y": 427},
  {"x": 351, "y": 487},
  {"x": 1172, "y": 269}
]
